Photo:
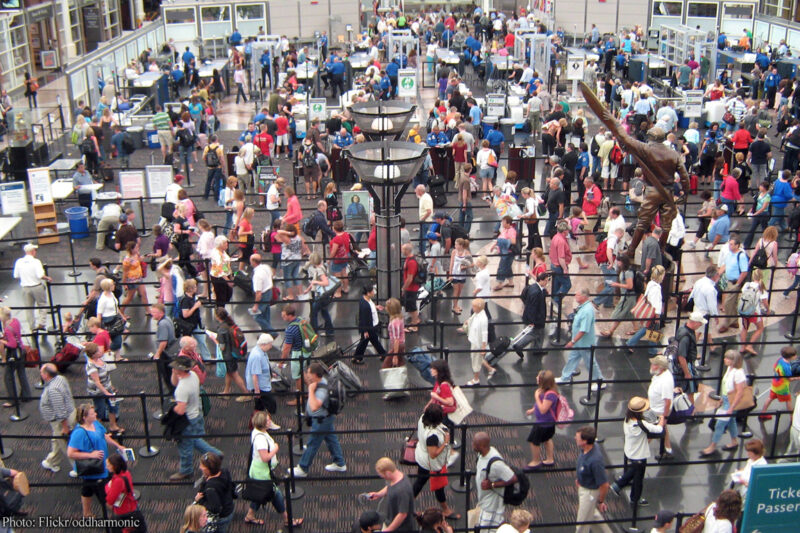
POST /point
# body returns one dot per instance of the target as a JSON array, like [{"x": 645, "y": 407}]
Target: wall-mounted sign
[{"x": 12, "y": 198}]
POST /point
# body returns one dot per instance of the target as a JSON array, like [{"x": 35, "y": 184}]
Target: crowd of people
[{"x": 284, "y": 253}]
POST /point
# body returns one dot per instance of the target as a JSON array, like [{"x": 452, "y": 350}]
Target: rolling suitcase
[
  {"x": 245, "y": 282},
  {"x": 497, "y": 349},
  {"x": 347, "y": 376},
  {"x": 328, "y": 353},
  {"x": 66, "y": 355}
]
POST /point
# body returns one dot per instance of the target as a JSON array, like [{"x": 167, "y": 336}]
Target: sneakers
[
  {"x": 472, "y": 383},
  {"x": 243, "y": 399},
  {"x": 48, "y": 466},
  {"x": 594, "y": 386},
  {"x": 273, "y": 426},
  {"x": 177, "y": 476},
  {"x": 491, "y": 373},
  {"x": 453, "y": 458},
  {"x": 561, "y": 381},
  {"x": 73, "y": 474},
  {"x": 333, "y": 467},
  {"x": 299, "y": 472}
]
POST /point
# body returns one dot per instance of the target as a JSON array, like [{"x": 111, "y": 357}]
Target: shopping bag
[{"x": 463, "y": 408}]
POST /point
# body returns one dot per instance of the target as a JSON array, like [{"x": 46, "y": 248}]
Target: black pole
[
  {"x": 461, "y": 484},
  {"x": 287, "y": 487},
  {"x": 703, "y": 367},
  {"x": 597, "y": 411},
  {"x": 588, "y": 400},
  {"x": 147, "y": 450},
  {"x": 144, "y": 231},
  {"x": 158, "y": 415},
  {"x": 5, "y": 453},
  {"x": 717, "y": 396},
  {"x": 775, "y": 434},
  {"x": 294, "y": 492},
  {"x": 299, "y": 448},
  {"x": 558, "y": 341},
  {"x": 50, "y": 298},
  {"x": 793, "y": 335},
  {"x": 72, "y": 273}
]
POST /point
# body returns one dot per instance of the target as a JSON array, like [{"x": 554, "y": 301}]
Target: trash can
[
  {"x": 488, "y": 123},
  {"x": 152, "y": 136},
  {"x": 78, "y": 218},
  {"x": 507, "y": 126},
  {"x": 136, "y": 133}
]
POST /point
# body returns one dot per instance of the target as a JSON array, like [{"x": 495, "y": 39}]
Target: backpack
[
  {"x": 564, "y": 413},
  {"x": 205, "y": 402},
  {"x": 117, "y": 282},
  {"x": 10, "y": 500},
  {"x": 458, "y": 232},
  {"x": 212, "y": 157},
  {"x": 309, "y": 158},
  {"x": 239, "y": 343},
  {"x": 336, "y": 394},
  {"x": 515, "y": 493},
  {"x": 791, "y": 263},
  {"x": 748, "y": 299},
  {"x": 185, "y": 138},
  {"x": 605, "y": 207},
  {"x": 422, "y": 270},
  {"x": 710, "y": 148},
  {"x": 616, "y": 155},
  {"x": 760, "y": 257},
  {"x": 594, "y": 148},
  {"x": 309, "y": 227},
  {"x": 638, "y": 282},
  {"x": 127, "y": 144},
  {"x": 310, "y": 337},
  {"x": 87, "y": 146},
  {"x": 637, "y": 186},
  {"x": 671, "y": 353},
  {"x": 794, "y": 138},
  {"x": 601, "y": 254}
]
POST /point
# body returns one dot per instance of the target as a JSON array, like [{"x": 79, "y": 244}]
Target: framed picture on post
[{"x": 355, "y": 208}]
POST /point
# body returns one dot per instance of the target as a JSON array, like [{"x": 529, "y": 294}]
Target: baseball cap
[
  {"x": 664, "y": 517},
  {"x": 698, "y": 316},
  {"x": 123, "y": 217},
  {"x": 660, "y": 360},
  {"x": 265, "y": 338},
  {"x": 29, "y": 247},
  {"x": 432, "y": 236},
  {"x": 182, "y": 363},
  {"x": 439, "y": 214}
]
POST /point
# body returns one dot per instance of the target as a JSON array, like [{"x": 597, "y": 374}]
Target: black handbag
[
  {"x": 258, "y": 490},
  {"x": 117, "y": 327},
  {"x": 89, "y": 467}
]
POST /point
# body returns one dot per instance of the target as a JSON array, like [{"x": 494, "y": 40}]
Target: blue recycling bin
[{"x": 78, "y": 218}]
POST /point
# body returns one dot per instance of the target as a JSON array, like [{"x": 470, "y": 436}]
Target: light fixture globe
[
  {"x": 386, "y": 163},
  {"x": 379, "y": 120}
]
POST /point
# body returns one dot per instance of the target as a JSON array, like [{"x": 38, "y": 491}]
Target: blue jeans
[
  {"x": 263, "y": 318},
  {"x": 318, "y": 307},
  {"x": 423, "y": 230},
  {"x": 229, "y": 220},
  {"x": 637, "y": 337},
  {"x": 202, "y": 348},
  {"x": 596, "y": 164},
  {"x": 561, "y": 283},
  {"x": 213, "y": 182},
  {"x": 778, "y": 217},
  {"x": 574, "y": 358},
  {"x": 606, "y": 296},
  {"x": 731, "y": 206},
  {"x": 717, "y": 186},
  {"x": 192, "y": 437},
  {"x": 291, "y": 273},
  {"x": 465, "y": 217},
  {"x": 550, "y": 227},
  {"x": 222, "y": 524},
  {"x": 504, "y": 268},
  {"x": 729, "y": 425},
  {"x": 320, "y": 431},
  {"x": 185, "y": 155},
  {"x": 757, "y": 220},
  {"x": 278, "y": 502},
  {"x": 794, "y": 285},
  {"x": 274, "y": 214},
  {"x": 116, "y": 340}
]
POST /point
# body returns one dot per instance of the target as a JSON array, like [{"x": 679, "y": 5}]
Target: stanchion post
[
  {"x": 461, "y": 485},
  {"x": 5, "y": 453},
  {"x": 588, "y": 400},
  {"x": 775, "y": 434},
  {"x": 72, "y": 273},
  {"x": 558, "y": 341},
  {"x": 294, "y": 492},
  {"x": 158, "y": 415},
  {"x": 287, "y": 487},
  {"x": 50, "y": 297},
  {"x": 147, "y": 450},
  {"x": 144, "y": 231},
  {"x": 703, "y": 367},
  {"x": 596, "y": 422},
  {"x": 717, "y": 395}
]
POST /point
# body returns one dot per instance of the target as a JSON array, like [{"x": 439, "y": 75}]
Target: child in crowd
[
  {"x": 397, "y": 335},
  {"x": 435, "y": 264},
  {"x": 460, "y": 263},
  {"x": 577, "y": 224},
  {"x": 275, "y": 246},
  {"x": 780, "y": 382}
]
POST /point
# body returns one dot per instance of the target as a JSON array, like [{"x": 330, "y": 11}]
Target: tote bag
[{"x": 463, "y": 408}]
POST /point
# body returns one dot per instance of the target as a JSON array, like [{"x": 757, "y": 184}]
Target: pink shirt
[
  {"x": 559, "y": 248},
  {"x": 730, "y": 189},
  {"x": 293, "y": 211},
  {"x": 509, "y": 233},
  {"x": 397, "y": 331},
  {"x": 12, "y": 333}
]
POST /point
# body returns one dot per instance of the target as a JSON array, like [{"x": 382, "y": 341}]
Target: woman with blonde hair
[
  {"x": 195, "y": 519},
  {"x": 544, "y": 413},
  {"x": 100, "y": 388},
  {"x": 753, "y": 305},
  {"x": 769, "y": 242},
  {"x": 460, "y": 263},
  {"x": 320, "y": 285},
  {"x": 133, "y": 276},
  {"x": 291, "y": 256},
  {"x": 397, "y": 335},
  {"x": 734, "y": 382},
  {"x": 220, "y": 271},
  {"x": 649, "y": 306}
]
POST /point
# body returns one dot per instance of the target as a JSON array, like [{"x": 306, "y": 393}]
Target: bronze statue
[{"x": 658, "y": 162}]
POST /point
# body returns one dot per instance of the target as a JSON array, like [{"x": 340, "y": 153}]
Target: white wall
[
  {"x": 572, "y": 13},
  {"x": 284, "y": 19}
]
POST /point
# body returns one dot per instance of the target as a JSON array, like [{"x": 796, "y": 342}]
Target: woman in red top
[
  {"x": 459, "y": 156},
  {"x": 119, "y": 495},
  {"x": 741, "y": 139},
  {"x": 442, "y": 394},
  {"x": 591, "y": 201},
  {"x": 729, "y": 191},
  {"x": 340, "y": 253},
  {"x": 244, "y": 231},
  {"x": 294, "y": 212}
]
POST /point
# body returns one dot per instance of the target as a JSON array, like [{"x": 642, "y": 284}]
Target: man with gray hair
[
  {"x": 30, "y": 273},
  {"x": 582, "y": 339},
  {"x": 58, "y": 409},
  {"x": 560, "y": 258},
  {"x": 425, "y": 214}
]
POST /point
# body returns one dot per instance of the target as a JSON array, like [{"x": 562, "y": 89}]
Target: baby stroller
[{"x": 357, "y": 261}]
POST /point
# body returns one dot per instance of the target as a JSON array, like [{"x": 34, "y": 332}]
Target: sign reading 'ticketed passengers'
[{"x": 773, "y": 499}]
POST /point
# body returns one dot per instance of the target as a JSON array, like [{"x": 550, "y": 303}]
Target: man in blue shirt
[
  {"x": 447, "y": 37},
  {"x": 595, "y": 34},
  {"x": 116, "y": 141},
  {"x": 722, "y": 41},
  {"x": 735, "y": 271},
  {"x": 436, "y": 138},
  {"x": 251, "y": 131},
  {"x": 591, "y": 479},
  {"x": 177, "y": 80},
  {"x": 293, "y": 345},
  {"x": 477, "y": 64},
  {"x": 474, "y": 115},
  {"x": 392, "y": 68},
  {"x": 582, "y": 168},
  {"x": 720, "y": 230},
  {"x": 187, "y": 56},
  {"x": 582, "y": 339},
  {"x": 401, "y": 59},
  {"x": 265, "y": 61},
  {"x": 343, "y": 139},
  {"x": 248, "y": 52},
  {"x": 258, "y": 377},
  {"x": 472, "y": 44},
  {"x": 496, "y": 141},
  {"x": 236, "y": 38},
  {"x": 762, "y": 60},
  {"x": 385, "y": 86},
  {"x": 323, "y": 44},
  {"x": 261, "y": 116},
  {"x": 337, "y": 76},
  {"x": 771, "y": 85}
]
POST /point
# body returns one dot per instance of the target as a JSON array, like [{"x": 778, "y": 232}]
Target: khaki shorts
[{"x": 165, "y": 138}]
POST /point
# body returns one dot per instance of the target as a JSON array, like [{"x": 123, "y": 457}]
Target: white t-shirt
[
  {"x": 188, "y": 391},
  {"x": 262, "y": 278},
  {"x": 425, "y": 205},
  {"x": 273, "y": 192},
  {"x": 205, "y": 244},
  {"x": 714, "y": 525},
  {"x": 491, "y": 500},
  {"x": 106, "y": 306},
  {"x": 483, "y": 283},
  {"x": 262, "y": 441},
  {"x": 435, "y": 259},
  {"x": 430, "y": 437},
  {"x": 660, "y": 390},
  {"x": 732, "y": 377}
]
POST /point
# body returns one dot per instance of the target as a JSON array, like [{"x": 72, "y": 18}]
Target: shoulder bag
[
  {"x": 89, "y": 467},
  {"x": 257, "y": 490}
]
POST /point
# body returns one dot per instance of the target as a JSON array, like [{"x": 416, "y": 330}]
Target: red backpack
[
  {"x": 601, "y": 255},
  {"x": 239, "y": 348},
  {"x": 616, "y": 156}
]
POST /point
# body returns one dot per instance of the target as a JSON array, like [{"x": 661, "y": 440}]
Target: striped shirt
[
  {"x": 56, "y": 402},
  {"x": 397, "y": 331},
  {"x": 161, "y": 121}
]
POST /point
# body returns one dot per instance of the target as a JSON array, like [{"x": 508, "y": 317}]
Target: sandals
[
  {"x": 296, "y": 522},
  {"x": 731, "y": 447},
  {"x": 453, "y": 516},
  {"x": 255, "y": 521},
  {"x": 457, "y": 310},
  {"x": 605, "y": 334}
]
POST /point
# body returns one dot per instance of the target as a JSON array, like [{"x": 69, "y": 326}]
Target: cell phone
[{"x": 128, "y": 454}]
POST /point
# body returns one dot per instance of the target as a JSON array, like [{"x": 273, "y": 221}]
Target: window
[
  {"x": 216, "y": 14},
  {"x": 777, "y": 8},
  {"x": 250, "y": 12},
  {"x": 737, "y": 11},
  {"x": 667, "y": 9},
  {"x": 179, "y": 16},
  {"x": 697, "y": 9}
]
